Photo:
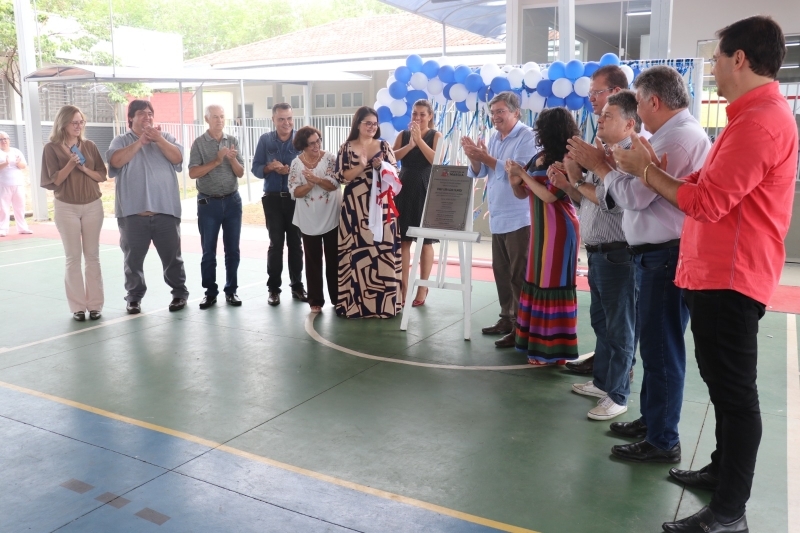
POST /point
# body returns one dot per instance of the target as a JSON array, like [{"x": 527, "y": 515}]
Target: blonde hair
[
  {"x": 427, "y": 105},
  {"x": 63, "y": 118}
]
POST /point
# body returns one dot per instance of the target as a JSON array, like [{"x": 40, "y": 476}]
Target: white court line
[
  {"x": 106, "y": 323},
  {"x": 29, "y": 248},
  {"x": 792, "y": 424},
  {"x": 48, "y": 259},
  {"x": 320, "y": 339}
]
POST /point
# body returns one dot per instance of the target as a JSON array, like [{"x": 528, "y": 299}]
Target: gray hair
[
  {"x": 510, "y": 99},
  {"x": 210, "y": 107},
  {"x": 625, "y": 101},
  {"x": 664, "y": 82}
]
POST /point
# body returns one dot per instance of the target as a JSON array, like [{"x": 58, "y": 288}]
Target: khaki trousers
[{"x": 79, "y": 226}]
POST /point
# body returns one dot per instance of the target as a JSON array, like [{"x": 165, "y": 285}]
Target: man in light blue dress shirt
[{"x": 510, "y": 218}]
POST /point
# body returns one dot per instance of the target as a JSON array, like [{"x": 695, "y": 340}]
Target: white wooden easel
[{"x": 463, "y": 239}]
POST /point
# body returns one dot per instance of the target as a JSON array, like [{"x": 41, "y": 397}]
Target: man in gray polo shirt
[
  {"x": 144, "y": 162},
  {"x": 215, "y": 163}
]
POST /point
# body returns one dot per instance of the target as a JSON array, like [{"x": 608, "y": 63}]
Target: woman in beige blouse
[{"x": 72, "y": 167}]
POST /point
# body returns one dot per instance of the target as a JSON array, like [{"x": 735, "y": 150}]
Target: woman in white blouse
[{"x": 318, "y": 196}]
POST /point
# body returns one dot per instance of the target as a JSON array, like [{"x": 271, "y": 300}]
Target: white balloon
[
  {"x": 536, "y": 102},
  {"x": 515, "y": 77},
  {"x": 458, "y": 92},
  {"x": 582, "y": 85},
  {"x": 384, "y": 98},
  {"x": 562, "y": 87},
  {"x": 530, "y": 65},
  {"x": 398, "y": 107},
  {"x": 532, "y": 78},
  {"x": 524, "y": 101},
  {"x": 544, "y": 74},
  {"x": 435, "y": 86},
  {"x": 489, "y": 71},
  {"x": 419, "y": 81},
  {"x": 387, "y": 131},
  {"x": 628, "y": 73},
  {"x": 440, "y": 99},
  {"x": 390, "y": 81},
  {"x": 472, "y": 101},
  {"x": 507, "y": 68}
]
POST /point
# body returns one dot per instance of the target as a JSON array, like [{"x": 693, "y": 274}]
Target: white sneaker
[
  {"x": 606, "y": 409},
  {"x": 588, "y": 389}
]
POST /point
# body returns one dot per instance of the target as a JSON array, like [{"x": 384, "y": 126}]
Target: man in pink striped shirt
[{"x": 738, "y": 208}]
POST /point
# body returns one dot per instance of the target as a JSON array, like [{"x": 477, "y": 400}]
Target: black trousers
[
  {"x": 725, "y": 329},
  {"x": 314, "y": 246},
  {"x": 279, "y": 211}
]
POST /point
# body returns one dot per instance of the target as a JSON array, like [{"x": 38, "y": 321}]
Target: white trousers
[
  {"x": 79, "y": 226},
  {"x": 12, "y": 197}
]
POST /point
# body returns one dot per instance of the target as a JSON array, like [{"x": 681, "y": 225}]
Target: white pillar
[
  {"x": 660, "y": 28},
  {"x": 513, "y": 32},
  {"x": 33, "y": 126},
  {"x": 307, "y": 104},
  {"x": 566, "y": 30}
]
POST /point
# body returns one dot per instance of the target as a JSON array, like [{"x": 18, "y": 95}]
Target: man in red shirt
[{"x": 738, "y": 208}]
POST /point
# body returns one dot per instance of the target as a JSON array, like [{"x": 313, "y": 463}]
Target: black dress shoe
[
  {"x": 644, "y": 452},
  {"x": 508, "y": 341},
  {"x": 94, "y": 315},
  {"x": 177, "y": 304},
  {"x": 582, "y": 367},
  {"x": 233, "y": 300},
  {"x": 705, "y": 522},
  {"x": 133, "y": 308},
  {"x": 633, "y": 430},
  {"x": 80, "y": 316},
  {"x": 699, "y": 479},
  {"x": 504, "y": 326},
  {"x": 207, "y": 302},
  {"x": 300, "y": 294},
  {"x": 274, "y": 298}
]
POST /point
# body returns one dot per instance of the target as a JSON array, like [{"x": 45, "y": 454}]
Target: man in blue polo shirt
[
  {"x": 510, "y": 219},
  {"x": 271, "y": 161}
]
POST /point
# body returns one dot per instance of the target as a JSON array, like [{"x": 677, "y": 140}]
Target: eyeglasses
[
  {"x": 713, "y": 61},
  {"x": 369, "y": 124},
  {"x": 498, "y": 112},
  {"x": 78, "y": 122},
  {"x": 318, "y": 142},
  {"x": 595, "y": 94},
  {"x": 4, "y": 139}
]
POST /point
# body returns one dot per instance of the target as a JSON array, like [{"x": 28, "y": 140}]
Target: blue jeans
[
  {"x": 612, "y": 281},
  {"x": 662, "y": 318},
  {"x": 216, "y": 213}
]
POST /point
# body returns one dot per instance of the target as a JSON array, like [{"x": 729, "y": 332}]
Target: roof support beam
[
  {"x": 513, "y": 32},
  {"x": 660, "y": 27},
  {"x": 566, "y": 30}
]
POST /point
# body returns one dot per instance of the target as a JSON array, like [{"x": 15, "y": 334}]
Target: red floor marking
[{"x": 785, "y": 300}]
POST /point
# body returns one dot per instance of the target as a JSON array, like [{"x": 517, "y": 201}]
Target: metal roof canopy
[{"x": 484, "y": 17}]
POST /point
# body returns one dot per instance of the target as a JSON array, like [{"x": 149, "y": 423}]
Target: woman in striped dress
[{"x": 548, "y": 308}]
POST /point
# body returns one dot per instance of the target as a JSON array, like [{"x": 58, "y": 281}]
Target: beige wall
[{"x": 694, "y": 21}]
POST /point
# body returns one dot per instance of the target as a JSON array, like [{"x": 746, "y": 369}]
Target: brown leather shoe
[
  {"x": 507, "y": 341},
  {"x": 504, "y": 326},
  {"x": 582, "y": 367},
  {"x": 274, "y": 298}
]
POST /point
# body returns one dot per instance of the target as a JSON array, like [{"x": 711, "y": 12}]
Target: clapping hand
[
  {"x": 640, "y": 155},
  {"x": 416, "y": 136},
  {"x": 310, "y": 177},
  {"x": 231, "y": 155},
  {"x": 222, "y": 153},
  {"x": 592, "y": 157},
  {"x": 557, "y": 174},
  {"x": 514, "y": 171}
]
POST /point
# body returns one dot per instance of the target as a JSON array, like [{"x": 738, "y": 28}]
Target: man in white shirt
[{"x": 12, "y": 187}]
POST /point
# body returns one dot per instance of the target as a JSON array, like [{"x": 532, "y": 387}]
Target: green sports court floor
[{"x": 259, "y": 419}]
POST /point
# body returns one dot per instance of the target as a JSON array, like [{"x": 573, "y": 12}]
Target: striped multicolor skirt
[{"x": 547, "y": 323}]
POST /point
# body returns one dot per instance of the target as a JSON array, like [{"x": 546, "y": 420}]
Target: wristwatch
[{"x": 579, "y": 183}]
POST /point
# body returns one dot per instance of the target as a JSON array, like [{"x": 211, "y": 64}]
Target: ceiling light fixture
[{"x": 637, "y": 13}]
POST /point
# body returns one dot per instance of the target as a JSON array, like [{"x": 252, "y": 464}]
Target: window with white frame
[
  {"x": 296, "y": 101},
  {"x": 270, "y": 102},
  {"x": 352, "y": 99},
  {"x": 323, "y": 100}
]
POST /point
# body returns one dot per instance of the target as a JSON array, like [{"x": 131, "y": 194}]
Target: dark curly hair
[
  {"x": 553, "y": 128},
  {"x": 302, "y": 135}
]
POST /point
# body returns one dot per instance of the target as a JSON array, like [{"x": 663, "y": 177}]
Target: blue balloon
[
  {"x": 398, "y": 90},
  {"x": 402, "y": 74},
  {"x": 557, "y": 70},
  {"x": 574, "y": 102},
  {"x": 590, "y": 68},
  {"x": 490, "y": 94},
  {"x": 384, "y": 114},
  {"x": 461, "y": 73},
  {"x": 446, "y": 90},
  {"x": 414, "y": 63},
  {"x": 587, "y": 103},
  {"x": 483, "y": 94},
  {"x": 430, "y": 68},
  {"x": 544, "y": 87},
  {"x": 473, "y": 82},
  {"x": 462, "y": 106},
  {"x": 447, "y": 74},
  {"x": 554, "y": 101},
  {"x": 500, "y": 84},
  {"x": 415, "y": 95},
  {"x": 401, "y": 123},
  {"x": 609, "y": 59},
  {"x": 574, "y": 70}
]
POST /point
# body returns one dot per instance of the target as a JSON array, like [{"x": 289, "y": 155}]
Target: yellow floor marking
[
  {"x": 271, "y": 462},
  {"x": 792, "y": 424},
  {"x": 322, "y": 340}
]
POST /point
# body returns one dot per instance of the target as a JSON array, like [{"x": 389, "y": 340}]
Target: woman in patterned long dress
[
  {"x": 547, "y": 319},
  {"x": 369, "y": 272}
]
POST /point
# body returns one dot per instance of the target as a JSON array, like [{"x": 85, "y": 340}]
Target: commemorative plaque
[{"x": 448, "y": 204}]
